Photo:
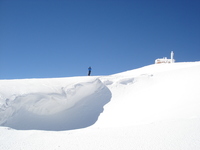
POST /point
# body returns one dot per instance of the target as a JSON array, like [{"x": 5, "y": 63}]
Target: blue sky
[{"x": 62, "y": 38}]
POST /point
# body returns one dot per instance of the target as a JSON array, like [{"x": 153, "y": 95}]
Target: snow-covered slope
[
  {"x": 154, "y": 107},
  {"x": 153, "y": 93}
]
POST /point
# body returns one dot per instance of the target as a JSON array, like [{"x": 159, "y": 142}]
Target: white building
[{"x": 165, "y": 60}]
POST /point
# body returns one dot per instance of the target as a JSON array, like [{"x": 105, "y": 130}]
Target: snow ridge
[
  {"x": 67, "y": 102},
  {"x": 154, "y": 107}
]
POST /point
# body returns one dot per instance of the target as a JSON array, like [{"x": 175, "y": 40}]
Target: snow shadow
[{"x": 75, "y": 106}]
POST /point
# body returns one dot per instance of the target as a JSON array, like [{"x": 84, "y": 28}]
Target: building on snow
[{"x": 165, "y": 60}]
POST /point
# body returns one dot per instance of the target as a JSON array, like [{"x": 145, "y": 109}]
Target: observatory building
[{"x": 165, "y": 60}]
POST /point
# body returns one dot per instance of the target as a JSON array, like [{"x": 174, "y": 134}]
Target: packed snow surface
[{"x": 151, "y": 108}]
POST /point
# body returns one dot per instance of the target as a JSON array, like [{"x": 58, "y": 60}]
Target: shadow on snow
[{"x": 76, "y": 106}]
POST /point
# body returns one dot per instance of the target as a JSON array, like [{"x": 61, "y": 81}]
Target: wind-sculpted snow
[
  {"x": 154, "y": 107},
  {"x": 73, "y": 106}
]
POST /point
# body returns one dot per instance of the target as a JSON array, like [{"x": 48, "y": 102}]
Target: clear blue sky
[{"x": 62, "y": 38}]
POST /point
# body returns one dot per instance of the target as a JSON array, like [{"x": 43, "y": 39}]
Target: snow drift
[
  {"x": 75, "y": 103},
  {"x": 154, "y": 107}
]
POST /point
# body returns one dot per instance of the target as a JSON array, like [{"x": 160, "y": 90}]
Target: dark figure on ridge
[{"x": 89, "y": 71}]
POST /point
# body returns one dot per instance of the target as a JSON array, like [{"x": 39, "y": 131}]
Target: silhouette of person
[{"x": 89, "y": 71}]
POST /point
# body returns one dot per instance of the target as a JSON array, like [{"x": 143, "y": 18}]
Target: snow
[{"x": 150, "y": 108}]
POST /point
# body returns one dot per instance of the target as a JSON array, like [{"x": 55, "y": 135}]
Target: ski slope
[{"x": 154, "y": 107}]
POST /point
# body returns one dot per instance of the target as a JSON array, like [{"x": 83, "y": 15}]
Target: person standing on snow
[{"x": 89, "y": 71}]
